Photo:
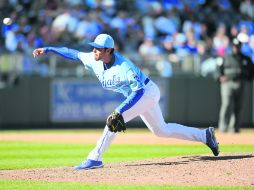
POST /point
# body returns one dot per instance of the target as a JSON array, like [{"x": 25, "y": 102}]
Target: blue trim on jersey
[
  {"x": 64, "y": 52},
  {"x": 130, "y": 101}
]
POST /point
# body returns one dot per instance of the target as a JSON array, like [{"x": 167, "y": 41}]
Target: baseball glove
[{"x": 115, "y": 122}]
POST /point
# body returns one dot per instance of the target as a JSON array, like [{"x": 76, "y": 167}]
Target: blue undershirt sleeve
[
  {"x": 131, "y": 100},
  {"x": 64, "y": 52}
]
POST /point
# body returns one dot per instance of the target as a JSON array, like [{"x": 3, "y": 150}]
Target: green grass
[
  {"x": 32, "y": 185},
  {"x": 17, "y": 155}
]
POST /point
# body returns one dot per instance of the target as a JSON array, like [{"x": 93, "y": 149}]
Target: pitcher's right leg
[{"x": 94, "y": 159}]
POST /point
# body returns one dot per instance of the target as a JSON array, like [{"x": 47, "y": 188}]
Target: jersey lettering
[{"x": 111, "y": 82}]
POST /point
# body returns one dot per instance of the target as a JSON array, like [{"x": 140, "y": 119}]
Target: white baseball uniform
[{"x": 142, "y": 98}]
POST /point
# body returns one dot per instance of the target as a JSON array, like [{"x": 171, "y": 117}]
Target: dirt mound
[{"x": 231, "y": 169}]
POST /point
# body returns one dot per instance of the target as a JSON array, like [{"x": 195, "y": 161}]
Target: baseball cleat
[
  {"x": 211, "y": 141},
  {"x": 89, "y": 164}
]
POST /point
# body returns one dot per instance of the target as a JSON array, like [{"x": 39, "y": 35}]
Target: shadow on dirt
[
  {"x": 188, "y": 159},
  {"x": 160, "y": 163},
  {"x": 226, "y": 157}
]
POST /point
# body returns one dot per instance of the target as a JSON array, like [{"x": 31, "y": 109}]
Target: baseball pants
[{"x": 149, "y": 110}]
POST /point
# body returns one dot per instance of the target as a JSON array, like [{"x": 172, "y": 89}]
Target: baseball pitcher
[{"x": 119, "y": 74}]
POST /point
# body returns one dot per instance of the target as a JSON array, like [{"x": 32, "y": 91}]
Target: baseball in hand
[{"x": 7, "y": 21}]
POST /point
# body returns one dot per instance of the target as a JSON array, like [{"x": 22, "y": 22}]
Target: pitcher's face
[{"x": 100, "y": 53}]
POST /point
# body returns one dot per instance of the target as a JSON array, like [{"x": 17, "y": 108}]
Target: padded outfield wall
[{"x": 70, "y": 102}]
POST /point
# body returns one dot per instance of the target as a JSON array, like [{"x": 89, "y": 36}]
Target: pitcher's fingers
[{"x": 35, "y": 53}]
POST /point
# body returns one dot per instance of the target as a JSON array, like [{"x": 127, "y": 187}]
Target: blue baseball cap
[{"x": 103, "y": 41}]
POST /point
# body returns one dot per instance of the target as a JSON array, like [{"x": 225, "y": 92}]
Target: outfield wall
[{"x": 50, "y": 102}]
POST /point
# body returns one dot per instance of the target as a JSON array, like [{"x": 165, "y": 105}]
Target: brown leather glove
[{"x": 115, "y": 122}]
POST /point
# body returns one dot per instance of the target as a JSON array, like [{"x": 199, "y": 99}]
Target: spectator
[
  {"x": 221, "y": 41},
  {"x": 168, "y": 45},
  {"x": 82, "y": 28},
  {"x": 233, "y": 31},
  {"x": 15, "y": 41},
  {"x": 119, "y": 22},
  {"x": 148, "y": 25},
  {"x": 180, "y": 46},
  {"x": 191, "y": 43},
  {"x": 248, "y": 48},
  {"x": 95, "y": 26},
  {"x": 150, "y": 54},
  {"x": 251, "y": 44},
  {"x": 62, "y": 22},
  {"x": 247, "y": 8},
  {"x": 168, "y": 20},
  {"x": 148, "y": 49}
]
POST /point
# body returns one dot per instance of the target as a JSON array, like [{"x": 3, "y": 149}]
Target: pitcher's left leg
[{"x": 155, "y": 122}]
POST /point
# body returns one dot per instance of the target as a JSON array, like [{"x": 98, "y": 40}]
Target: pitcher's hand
[{"x": 38, "y": 51}]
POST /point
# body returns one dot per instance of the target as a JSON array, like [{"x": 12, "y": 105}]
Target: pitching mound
[{"x": 232, "y": 169}]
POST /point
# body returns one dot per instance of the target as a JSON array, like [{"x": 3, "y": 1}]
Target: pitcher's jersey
[{"x": 123, "y": 76}]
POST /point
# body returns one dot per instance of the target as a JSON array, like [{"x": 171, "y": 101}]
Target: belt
[{"x": 146, "y": 81}]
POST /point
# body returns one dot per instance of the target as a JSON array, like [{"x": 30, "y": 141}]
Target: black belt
[{"x": 146, "y": 81}]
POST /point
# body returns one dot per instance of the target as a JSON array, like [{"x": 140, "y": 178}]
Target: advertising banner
[{"x": 74, "y": 100}]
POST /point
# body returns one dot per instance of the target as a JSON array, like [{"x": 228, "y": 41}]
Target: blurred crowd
[{"x": 161, "y": 32}]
